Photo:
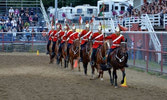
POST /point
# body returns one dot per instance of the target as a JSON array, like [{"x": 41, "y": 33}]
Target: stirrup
[
  {"x": 126, "y": 65},
  {"x": 47, "y": 52},
  {"x": 80, "y": 60},
  {"x": 92, "y": 63},
  {"x": 109, "y": 65},
  {"x": 53, "y": 54}
]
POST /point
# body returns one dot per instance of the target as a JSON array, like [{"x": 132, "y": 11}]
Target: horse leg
[
  {"x": 61, "y": 62},
  {"x": 79, "y": 69},
  {"x": 85, "y": 67},
  {"x": 115, "y": 77},
  {"x": 93, "y": 70},
  {"x": 65, "y": 63},
  {"x": 123, "y": 74},
  {"x": 101, "y": 72},
  {"x": 111, "y": 81},
  {"x": 72, "y": 64}
]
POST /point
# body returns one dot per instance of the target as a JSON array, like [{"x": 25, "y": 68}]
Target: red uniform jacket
[
  {"x": 56, "y": 35},
  {"x": 51, "y": 34},
  {"x": 68, "y": 35},
  {"x": 62, "y": 36},
  {"x": 98, "y": 39},
  {"x": 73, "y": 37},
  {"x": 115, "y": 39},
  {"x": 84, "y": 36}
]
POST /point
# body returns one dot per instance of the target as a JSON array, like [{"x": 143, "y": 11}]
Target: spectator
[
  {"x": 27, "y": 17},
  {"x": 27, "y": 33},
  {"x": 35, "y": 19},
  {"x": 10, "y": 17},
  {"x": 13, "y": 22},
  {"x": 44, "y": 35},
  {"x": 33, "y": 34},
  {"x": 129, "y": 9},
  {"x": 27, "y": 11},
  {"x": 22, "y": 12},
  {"x": 16, "y": 12},
  {"x": 138, "y": 52},
  {"x": 32, "y": 12},
  {"x": 19, "y": 22},
  {"x": 26, "y": 25},
  {"x": 14, "y": 31},
  {"x": 30, "y": 20},
  {"x": 11, "y": 11}
]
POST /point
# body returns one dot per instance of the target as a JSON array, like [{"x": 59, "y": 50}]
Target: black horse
[{"x": 119, "y": 58}]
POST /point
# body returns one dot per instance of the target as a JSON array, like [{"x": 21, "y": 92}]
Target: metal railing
[
  {"x": 146, "y": 21},
  {"x": 155, "y": 19},
  {"x": 165, "y": 20},
  {"x": 142, "y": 55},
  {"x": 45, "y": 15}
]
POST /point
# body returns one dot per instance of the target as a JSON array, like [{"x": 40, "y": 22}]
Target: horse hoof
[
  {"x": 102, "y": 79},
  {"x": 91, "y": 78},
  {"x": 116, "y": 87}
]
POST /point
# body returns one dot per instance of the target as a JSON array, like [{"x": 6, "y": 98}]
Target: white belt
[
  {"x": 84, "y": 39},
  {"x": 116, "y": 45},
  {"x": 98, "y": 41}
]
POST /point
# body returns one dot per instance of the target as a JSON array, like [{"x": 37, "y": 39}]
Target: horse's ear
[{"x": 126, "y": 40}]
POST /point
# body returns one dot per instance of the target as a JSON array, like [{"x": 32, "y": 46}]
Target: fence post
[
  {"x": 32, "y": 42},
  {"x": 147, "y": 53},
  {"x": 2, "y": 42},
  {"x": 161, "y": 54}
]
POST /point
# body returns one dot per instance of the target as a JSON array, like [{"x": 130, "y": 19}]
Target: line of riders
[{"x": 98, "y": 38}]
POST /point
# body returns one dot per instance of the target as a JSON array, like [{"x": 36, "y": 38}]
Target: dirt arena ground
[{"x": 30, "y": 77}]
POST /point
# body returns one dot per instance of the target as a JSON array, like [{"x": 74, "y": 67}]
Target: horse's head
[
  {"x": 123, "y": 48},
  {"x": 76, "y": 43}
]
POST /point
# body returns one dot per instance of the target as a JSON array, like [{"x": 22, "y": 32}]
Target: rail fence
[{"x": 141, "y": 50}]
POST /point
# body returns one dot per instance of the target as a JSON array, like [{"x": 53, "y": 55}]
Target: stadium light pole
[{"x": 56, "y": 9}]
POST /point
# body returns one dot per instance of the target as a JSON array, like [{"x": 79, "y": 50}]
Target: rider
[
  {"x": 58, "y": 30},
  {"x": 84, "y": 36},
  {"x": 62, "y": 37},
  {"x": 116, "y": 38},
  {"x": 98, "y": 41},
  {"x": 51, "y": 33},
  {"x": 69, "y": 32},
  {"x": 74, "y": 35}
]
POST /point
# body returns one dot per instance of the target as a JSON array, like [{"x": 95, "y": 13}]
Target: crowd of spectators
[
  {"x": 154, "y": 7},
  {"x": 19, "y": 20}
]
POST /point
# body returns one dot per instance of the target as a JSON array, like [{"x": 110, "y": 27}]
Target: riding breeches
[
  {"x": 108, "y": 58},
  {"x": 93, "y": 58},
  {"x": 60, "y": 47},
  {"x": 68, "y": 47},
  {"x": 53, "y": 46},
  {"x": 49, "y": 42},
  {"x": 82, "y": 46}
]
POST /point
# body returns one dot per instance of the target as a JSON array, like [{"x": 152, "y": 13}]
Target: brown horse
[
  {"x": 119, "y": 58},
  {"x": 50, "y": 52},
  {"x": 74, "y": 53},
  {"x": 100, "y": 59},
  {"x": 63, "y": 55},
  {"x": 86, "y": 51}
]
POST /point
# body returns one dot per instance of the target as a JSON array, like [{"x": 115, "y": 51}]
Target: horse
[
  {"x": 119, "y": 58},
  {"x": 50, "y": 52},
  {"x": 63, "y": 55},
  {"x": 86, "y": 51},
  {"x": 74, "y": 53},
  {"x": 100, "y": 59}
]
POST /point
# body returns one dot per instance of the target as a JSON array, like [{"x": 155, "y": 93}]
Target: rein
[{"x": 75, "y": 51}]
